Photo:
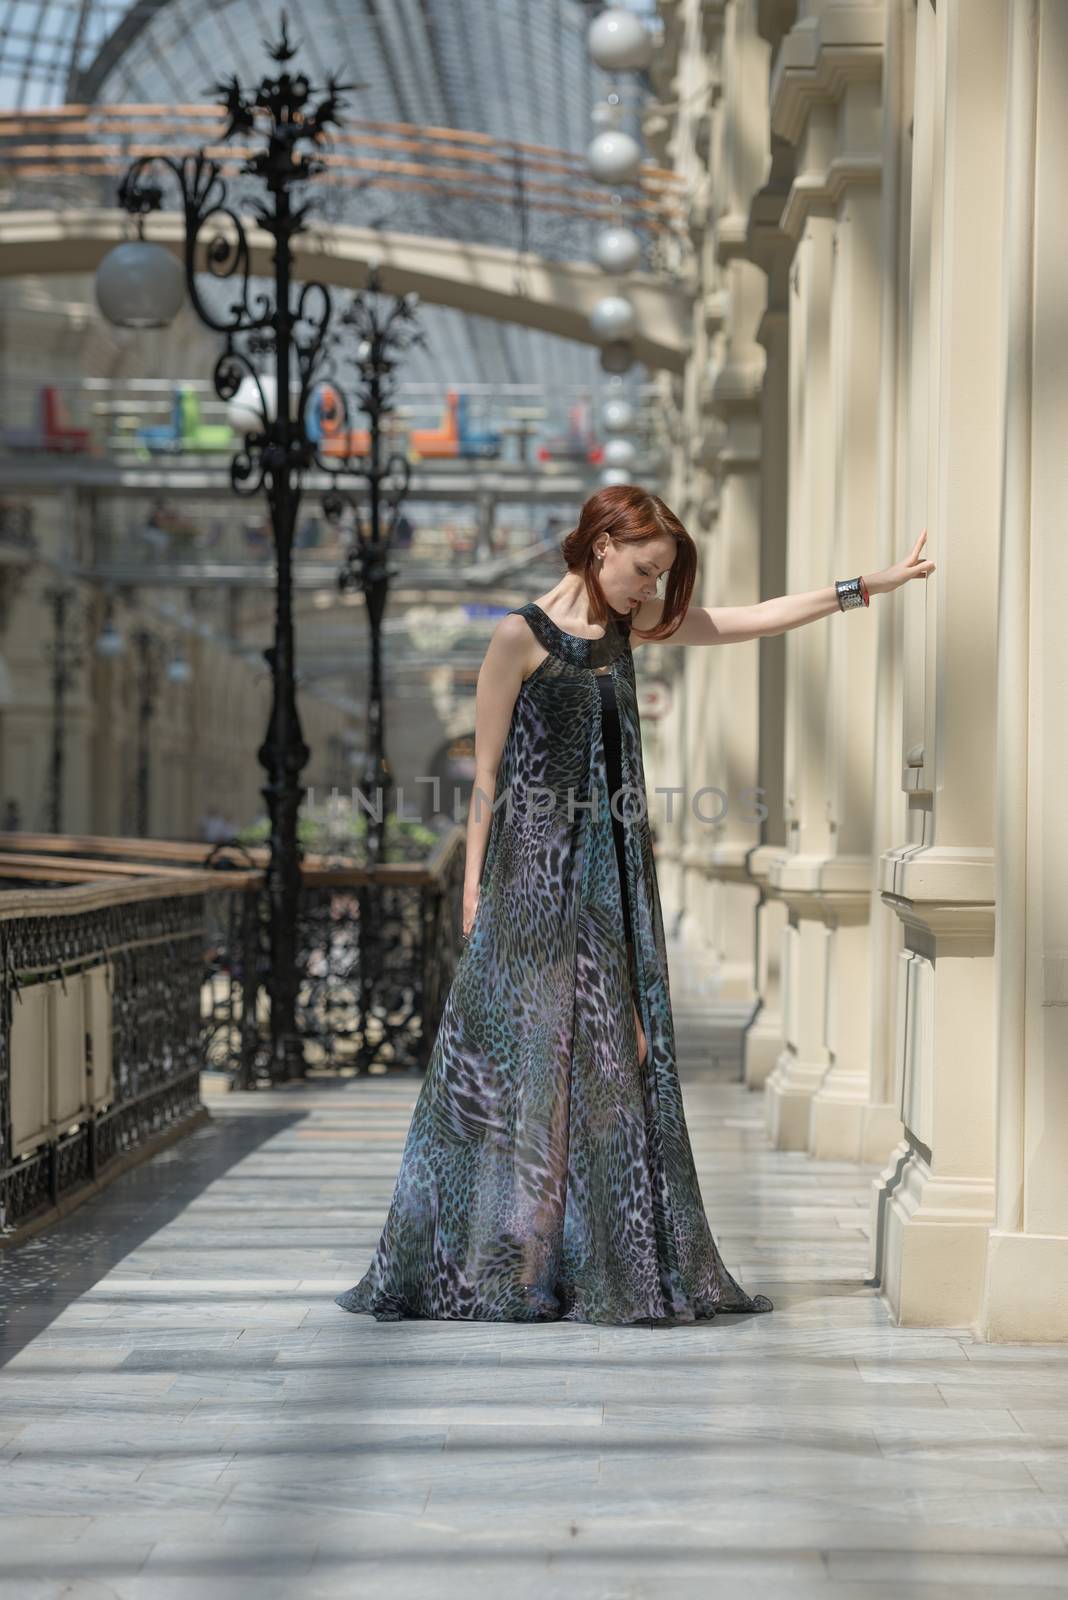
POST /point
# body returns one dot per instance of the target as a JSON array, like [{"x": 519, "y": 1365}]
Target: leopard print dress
[{"x": 546, "y": 1176}]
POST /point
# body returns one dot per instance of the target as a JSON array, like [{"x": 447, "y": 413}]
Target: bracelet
[{"x": 851, "y": 592}]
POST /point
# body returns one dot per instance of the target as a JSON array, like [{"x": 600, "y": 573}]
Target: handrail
[
  {"x": 394, "y": 174},
  {"x": 377, "y": 949},
  {"x": 39, "y": 143},
  {"x": 390, "y": 132},
  {"x": 44, "y": 854},
  {"x": 647, "y": 209},
  {"x": 93, "y": 893}
]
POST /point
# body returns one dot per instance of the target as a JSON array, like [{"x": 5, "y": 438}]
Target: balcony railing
[
  {"x": 377, "y": 950},
  {"x": 129, "y": 966},
  {"x": 100, "y": 1027},
  {"x": 447, "y": 182}
]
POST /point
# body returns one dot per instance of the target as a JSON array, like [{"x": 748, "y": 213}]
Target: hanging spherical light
[
  {"x": 618, "y": 356},
  {"x": 613, "y": 156},
  {"x": 140, "y": 285},
  {"x": 611, "y": 476},
  {"x": 617, "y": 415},
  {"x": 619, "y": 453},
  {"x": 618, "y": 250},
  {"x": 613, "y": 317},
  {"x": 618, "y": 41},
  {"x": 244, "y": 411}
]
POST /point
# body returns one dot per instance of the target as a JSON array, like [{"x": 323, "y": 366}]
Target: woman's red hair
[{"x": 630, "y": 515}]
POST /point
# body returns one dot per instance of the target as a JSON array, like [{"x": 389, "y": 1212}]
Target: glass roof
[{"x": 517, "y": 70}]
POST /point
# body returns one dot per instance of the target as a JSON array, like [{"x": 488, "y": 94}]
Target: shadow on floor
[{"x": 40, "y": 1278}]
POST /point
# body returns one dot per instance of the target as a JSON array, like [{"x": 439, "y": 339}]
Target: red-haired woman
[{"x": 547, "y": 1173}]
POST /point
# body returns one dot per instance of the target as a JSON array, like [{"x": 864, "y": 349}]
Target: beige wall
[{"x": 908, "y": 217}]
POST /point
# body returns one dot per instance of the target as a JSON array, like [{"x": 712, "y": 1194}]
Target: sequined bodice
[{"x": 596, "y": 654}]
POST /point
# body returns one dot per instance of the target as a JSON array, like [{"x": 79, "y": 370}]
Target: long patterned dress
[{"x": 545, "y": 1175}]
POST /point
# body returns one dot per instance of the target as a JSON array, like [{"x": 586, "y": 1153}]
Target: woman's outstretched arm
[{"x": 736, "y": 624}]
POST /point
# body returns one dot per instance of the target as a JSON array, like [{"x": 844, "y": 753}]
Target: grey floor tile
[{"x": 202, "y": 1422}]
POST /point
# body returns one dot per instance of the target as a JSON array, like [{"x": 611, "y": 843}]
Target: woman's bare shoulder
[
  {"x": 512, "y": 629},
  {"x": 514, "y": 641}
]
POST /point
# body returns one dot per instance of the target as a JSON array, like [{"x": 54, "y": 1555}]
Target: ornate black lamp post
[
  {"x": 147, "y": 647},
  {"x": 292, "y": 327},
  {"x": 385, "y": 329},
  {"x": 66, "y": 651}
]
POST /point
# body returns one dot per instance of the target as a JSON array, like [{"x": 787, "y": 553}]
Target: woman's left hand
[{"x": 912, "y": 567}]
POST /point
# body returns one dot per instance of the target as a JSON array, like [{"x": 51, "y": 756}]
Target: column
[
  {"x": 734, "y": 396},
  {"x": 803, "y": 1060},
  {"x": 934, "y": 1204},
  {"x": 826, "y": 102},
  {"x": 1025, "y": 1286},
  {"x": 880, "y": 1121},
  {"x": 839, "y": 1104},
  {"x": 771, "y": 249},
  {"x": 694, "y": 36}
]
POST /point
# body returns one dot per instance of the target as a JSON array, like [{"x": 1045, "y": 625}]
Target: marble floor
[{"x": 184, "y": 1412}]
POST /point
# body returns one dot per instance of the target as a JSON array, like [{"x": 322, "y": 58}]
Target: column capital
[
  {"x": 959, "y": 929},
  {"x": 820, "y": 58},
  {"x": 818, "y": 192},
  {"x": 961, "y": 874},
  {"x": 811, "y": 874},
  {"x": 734, "y": 389}
]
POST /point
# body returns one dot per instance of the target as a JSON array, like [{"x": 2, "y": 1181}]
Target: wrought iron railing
[
  {"x": 100, "y": 1028},
  {"x": 377, "y": 947}
]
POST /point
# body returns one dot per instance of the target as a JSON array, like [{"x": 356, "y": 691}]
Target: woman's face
[{"x": 631, "y": 573}]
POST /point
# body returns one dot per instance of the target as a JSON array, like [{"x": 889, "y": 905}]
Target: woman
[{"x": 547, "y": 1173}]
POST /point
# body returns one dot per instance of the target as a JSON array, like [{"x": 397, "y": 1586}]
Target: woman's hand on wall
[{"x": 913, "y": 566}]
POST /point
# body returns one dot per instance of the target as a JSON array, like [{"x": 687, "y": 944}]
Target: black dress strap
[{"x": 571, "y": 647}]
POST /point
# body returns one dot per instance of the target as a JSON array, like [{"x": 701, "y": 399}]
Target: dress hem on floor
[{"x": 347, "y": 1302}]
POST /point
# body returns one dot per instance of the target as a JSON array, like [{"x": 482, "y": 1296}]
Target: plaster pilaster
[{"x": 934, "y": 1204}]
